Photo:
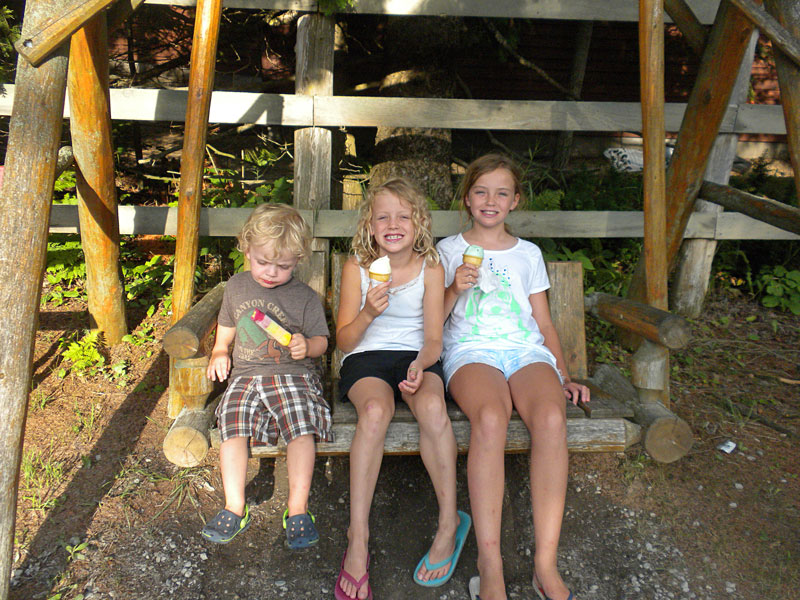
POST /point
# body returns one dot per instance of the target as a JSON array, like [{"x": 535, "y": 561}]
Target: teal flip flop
[{"x": 465, "y": 522}]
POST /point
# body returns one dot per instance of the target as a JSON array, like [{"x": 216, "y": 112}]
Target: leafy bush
[{"x": 779, "y": 288}]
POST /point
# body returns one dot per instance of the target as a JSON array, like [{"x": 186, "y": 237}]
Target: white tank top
[{"x": 400, "y": 326}]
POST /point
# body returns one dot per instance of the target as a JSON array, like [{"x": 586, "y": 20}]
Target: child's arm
[
  {"x": 465, "y": 278},
  {"x": 352, "y": 320},
  {"x": 541, "y": 312},
  {"x": 433, "y": 321},
  {"x": 301, "y": 347},
  {"x": 219, "y": 365}
]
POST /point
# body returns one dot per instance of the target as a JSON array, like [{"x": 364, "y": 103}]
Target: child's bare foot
[{"x": 443, "y": 546}]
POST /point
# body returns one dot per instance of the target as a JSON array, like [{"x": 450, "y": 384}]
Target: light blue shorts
[{"x": 507, "y": 362}]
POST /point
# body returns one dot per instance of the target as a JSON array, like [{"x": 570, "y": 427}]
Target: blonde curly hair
[
  {"x": 278, "y": 224},
  {"x": 364, "y": 247}
]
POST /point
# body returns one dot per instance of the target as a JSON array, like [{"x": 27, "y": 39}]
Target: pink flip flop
[{"x": 338, "y": 592}]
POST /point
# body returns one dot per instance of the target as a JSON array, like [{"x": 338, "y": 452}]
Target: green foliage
[
  {"x": 779, "y": 288},
  {"x": 65, "y": 273},
  {"x": 39, "y": 477},
  {"x": 86, "y": 420},
  {"x": 83, "y": 355},
  {"x": 328, "y": 7},
  {"x": 9, "y": 33},
  {"x": 64, "y": 188},
  {"x": 759, "y": 181}
]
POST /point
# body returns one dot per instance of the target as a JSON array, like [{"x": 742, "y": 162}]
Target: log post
[
  {"x": 187, "y": 442},
  {"x": 313, "y": 145},
  {"x": 201, "y": 84},
  {"x": 90, "y": 121},
  {"x": 658, "y": 326},
  {"x": 583, "y": 39},
  {"x": 707, "y": 104},
  {"x": 30, "y": 165},
  {"x": 775, "y": 213},
  {"x": 778, "y": 33},
  {"x": 788, "y": 16},
  {"x": 185, "y": 338},
  {"x": 665, "y": 436},
  {"x": 693, "y": 274}
]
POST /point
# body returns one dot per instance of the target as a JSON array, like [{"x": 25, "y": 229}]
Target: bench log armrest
[
  {"x": 184, "y": 338},
  {"x": 659, "y": 326}
]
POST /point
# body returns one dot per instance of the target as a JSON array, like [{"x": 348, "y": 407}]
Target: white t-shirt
[{"x": 501, "y": 319}]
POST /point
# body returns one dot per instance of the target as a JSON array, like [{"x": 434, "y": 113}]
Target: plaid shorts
[{"x": 264, "y": 407}]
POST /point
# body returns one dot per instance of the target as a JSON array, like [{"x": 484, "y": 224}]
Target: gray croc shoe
[
  {"x": 300, "y": 530},
  {"x": 226, "y": 525}
]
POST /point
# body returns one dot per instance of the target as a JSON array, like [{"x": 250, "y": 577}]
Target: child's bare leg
[
  {"x": 300, "y": 455},
  {"x": 482, "y": 393},
  {"x": 374, "y": 402},
  {"x": 437, "y": 447},
  {"x": 545, "y": 417},
  {"x": 233, "y": 466}
]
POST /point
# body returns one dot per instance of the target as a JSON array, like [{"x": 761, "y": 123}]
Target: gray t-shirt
[{"x": 293, "y": 305}]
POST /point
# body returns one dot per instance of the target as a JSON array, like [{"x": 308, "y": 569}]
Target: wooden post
[
  {"x": 707, "y": 105},
  {"x": 579, "y": 58},
  {"x": 693, "y": 274},
  {"x": 694, "y": 32},
  {"x": 90, "y": 121},
  {"x": 651, "y": 67},
  {"x": 788, "y": 16},
  {"x": 777, "y": 32},
  {"x": 30, "y": 165},
  {"x": 565, "y": 297},
  {"x": 313, "y": 145},
  {"x": 201, "y": 84}
]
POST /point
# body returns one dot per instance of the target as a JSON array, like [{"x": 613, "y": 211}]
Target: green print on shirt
[
  {"x": 254, "y": 340},
  {"x": 496, "y": 315}
]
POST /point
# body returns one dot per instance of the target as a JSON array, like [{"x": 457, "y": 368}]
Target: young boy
[{"x": 274, "y": 389}]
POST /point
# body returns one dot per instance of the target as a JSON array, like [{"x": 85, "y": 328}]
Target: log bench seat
[{"x": 611, "y": 422}]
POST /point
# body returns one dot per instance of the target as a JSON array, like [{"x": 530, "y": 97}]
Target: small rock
[
  {"x": 730, "y": 587},
  {"x": 738, "y": 486},
  {"x": 733, "y": 505}
]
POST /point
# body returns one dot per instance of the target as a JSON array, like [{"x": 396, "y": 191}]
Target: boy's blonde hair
[
  {"x": 364, "y": 247},
  {"x": 279, "y": 224}
]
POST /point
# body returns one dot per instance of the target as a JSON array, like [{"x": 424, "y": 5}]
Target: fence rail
[{"x": 226, "y": 222}]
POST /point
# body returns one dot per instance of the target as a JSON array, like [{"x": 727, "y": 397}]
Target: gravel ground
[{"x": 607, "y": 550}]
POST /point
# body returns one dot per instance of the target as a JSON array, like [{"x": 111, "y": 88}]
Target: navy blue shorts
[{"x": 389, "y": 365}]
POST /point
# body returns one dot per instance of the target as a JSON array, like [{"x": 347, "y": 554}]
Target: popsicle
[{"x": 275, "y": 331}]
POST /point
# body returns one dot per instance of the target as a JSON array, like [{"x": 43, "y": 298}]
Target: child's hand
[
  {"x": 575, "y": 392},
  {"x": 466, "y": 278},
  {"x": 413, "y": 379},
  {"x": 218, "y": 366},
  {"x": 298, "y": 346},
  {"x": 377, "y": 299}
]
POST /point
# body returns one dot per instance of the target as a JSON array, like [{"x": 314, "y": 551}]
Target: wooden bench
[{"x": 606, "y": 425}]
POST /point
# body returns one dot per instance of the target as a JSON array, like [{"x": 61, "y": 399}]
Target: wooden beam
[
  {"x": 651, "y": 68},
  {"x": 37, "y": 44},
  {"x": 708, "y": 102},
  {"x": 770, "y": 27},
  {"x": 226, "y": 222},
  {"x": 788, "y": 16},
  {"x": 30, "y": 165},
  {"x": 693, "y": 273},
  {"x": 582, "y": 10},
  {"x": 657, "y": 325},
  {"x": 120, "y": 11},
  {"x": 190, "y": 196},
  {"x": 201, "y": 82},
  {"x": 565, "y": 297},
  {"x": 185, "y": 338},
  {"x": 764, "y": 209},
  {"x": 313, "y": 145},
  {"x": 97, "y": 194},
  {"x": 688, "y": 24},
  {"x": 142, "y": 104}
]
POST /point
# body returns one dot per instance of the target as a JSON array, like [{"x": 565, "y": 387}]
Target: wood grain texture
[
  {"x": 565, "y": 297},
  {"x": 187, "y": 441},
  {"x": 92, "y": 147},
  {"x": 38, "y": 43},
  {"x": 692, "y": 29},
  {"x": 771, "y": 27},
  {"x": 185, "y": 338},
  {"x": 30, "y": 165},
  {"x": 609, "y": 10},
  {"x": 775, "y": 213}
]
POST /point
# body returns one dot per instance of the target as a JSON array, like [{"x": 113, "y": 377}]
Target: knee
[
  {"x": 375, "y": 415},
  {"x": 550, "y": 420},
  {"x": 431, "y": 414},
  {"x": 491, "y": 423}
]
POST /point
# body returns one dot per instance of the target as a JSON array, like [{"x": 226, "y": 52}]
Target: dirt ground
[{"x": 116, "y": 520}]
